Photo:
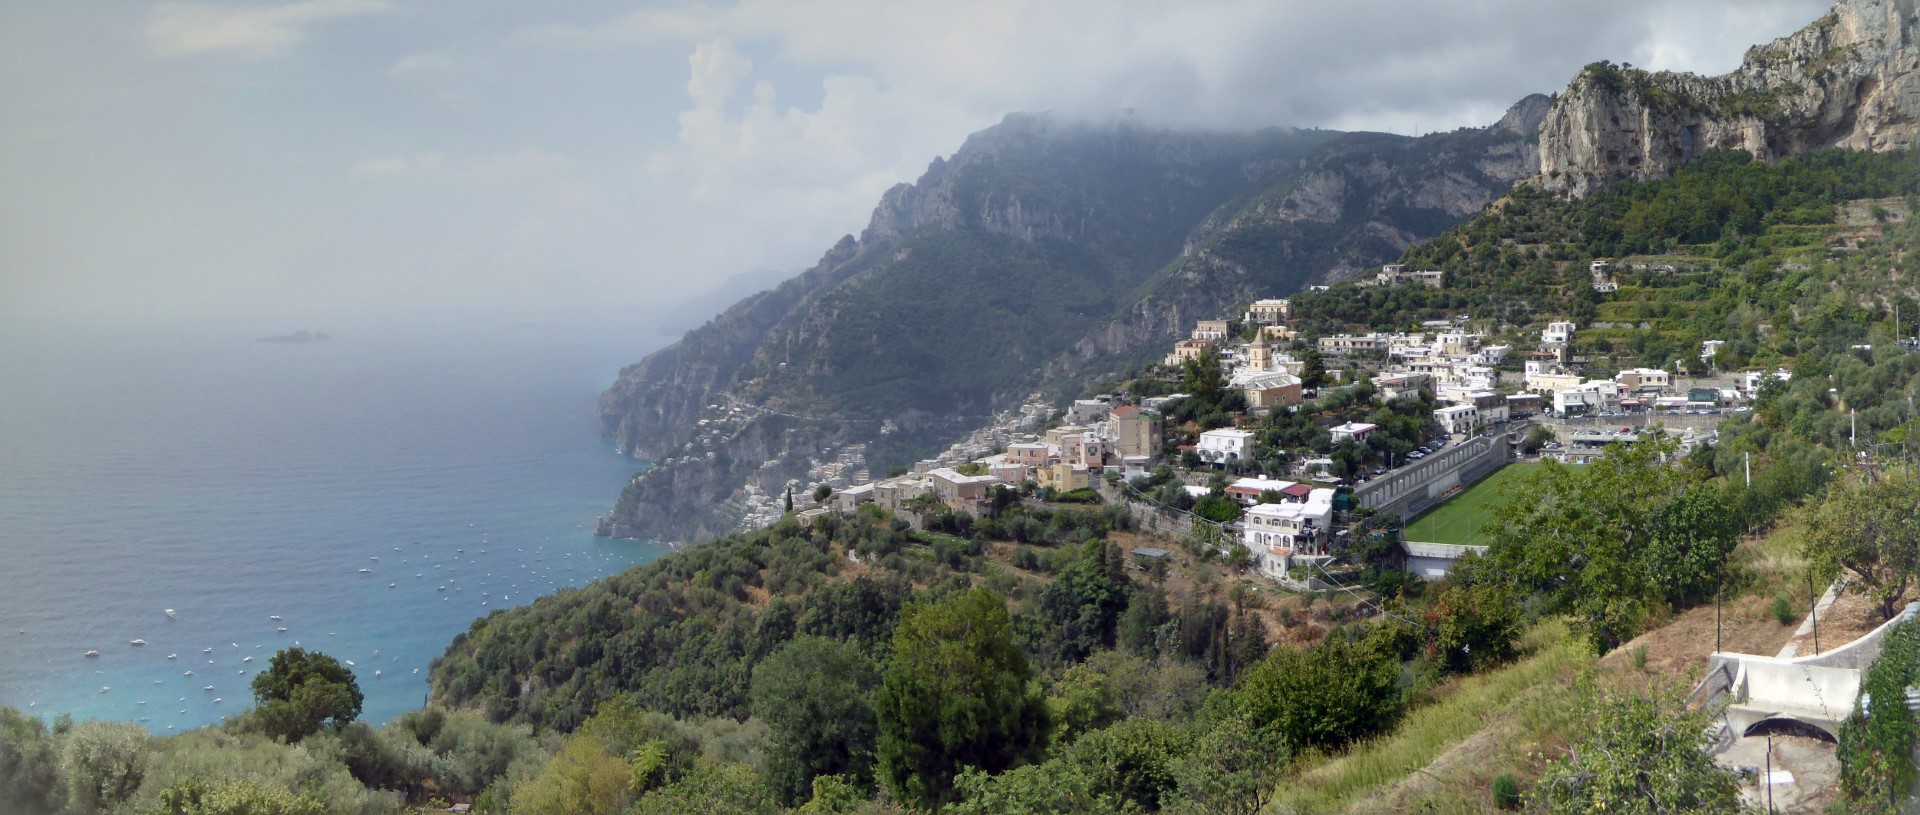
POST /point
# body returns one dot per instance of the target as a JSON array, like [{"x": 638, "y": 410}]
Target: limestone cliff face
[
  {"x": 1356, "y": 203},
  {"x": 1039, "y": 245},
  {"x": 1850, "y": 79}
]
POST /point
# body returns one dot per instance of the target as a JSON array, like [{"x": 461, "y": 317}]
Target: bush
[
  {"x": 1506, "y": 791},
  {"x": 1783, "y": 610},
  {"x": 1877, "y": 740}
]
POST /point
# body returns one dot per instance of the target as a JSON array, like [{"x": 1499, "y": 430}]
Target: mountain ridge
[{"x": 1849, "y": 79}]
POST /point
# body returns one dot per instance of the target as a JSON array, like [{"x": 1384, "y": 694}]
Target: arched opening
[{"x": 1783, "y": 726}]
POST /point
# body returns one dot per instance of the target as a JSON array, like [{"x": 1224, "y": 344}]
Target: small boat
[
  {"x": 92, "y": 654},
  {"x": 246, "y": 659},
  {"x": 137, "y": 643},
  {"x": 209, "y": 687},
  {"x": 170, "y": 614},
  {"x": 366, "y": 571},
  {"x": 173, "y": 656},
  {"x": 282, "y": 629},
  {"x": 206, "y": 650},
  {"x": 104, "y": 689},
  {"x": 390, "y": 585},
  {"x": 274, "y": 617},
  {"x": 376, "y": 674},
  {"x": 189, "y": 673},
  {"x": 141, "y": 702},
  {"x": 349, "y": 663},
  {"x": 216, "y": 700}
]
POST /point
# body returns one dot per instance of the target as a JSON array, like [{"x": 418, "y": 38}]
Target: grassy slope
[
  {"x": 1444, "y": 756},
  {"x": 1458, "y": 519}
]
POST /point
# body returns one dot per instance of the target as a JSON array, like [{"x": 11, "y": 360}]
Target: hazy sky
[{"x": 314, "y": 160}]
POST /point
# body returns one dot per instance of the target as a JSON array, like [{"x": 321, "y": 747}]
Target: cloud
[
  {"x": 755, "y": 182},
  {"x": 195, "y": 29}
]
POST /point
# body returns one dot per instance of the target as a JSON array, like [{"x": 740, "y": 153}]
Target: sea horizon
[{"x": 375, "y": 492}]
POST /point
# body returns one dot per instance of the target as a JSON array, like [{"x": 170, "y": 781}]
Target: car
[
  {"x": 1416, "y": 455},
  {"x": 1552, "y": 445}
]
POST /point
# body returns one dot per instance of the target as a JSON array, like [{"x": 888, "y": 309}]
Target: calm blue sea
[{"x": 233, "y": 481}]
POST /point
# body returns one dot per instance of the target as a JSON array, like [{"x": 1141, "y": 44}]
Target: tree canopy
[{"x": 302, "y": 691}]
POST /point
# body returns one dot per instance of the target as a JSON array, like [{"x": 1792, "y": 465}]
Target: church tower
[{"x": 1259, "y": 356}]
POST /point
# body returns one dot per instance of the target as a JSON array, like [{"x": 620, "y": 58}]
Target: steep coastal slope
[
  {"x": 1364, "y": 199},
  {"x": 1039, "y": 241},
  {"x": 1850, "y": 79}
]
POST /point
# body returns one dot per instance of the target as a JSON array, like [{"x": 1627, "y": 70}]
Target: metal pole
[
  {"x": 1768, "y": 779},
  {"x": 1716, "y": 619},
  {"x": 1814, "y": 613}
]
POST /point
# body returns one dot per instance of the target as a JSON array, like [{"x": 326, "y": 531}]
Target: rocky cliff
[
  {"x": 1850, "y": 79},
  {"x": 1357, "y": 203},
  {"x": 1039, "y": 243}
]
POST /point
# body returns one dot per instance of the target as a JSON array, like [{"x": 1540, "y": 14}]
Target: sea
[{"x": 219, "y": 499}]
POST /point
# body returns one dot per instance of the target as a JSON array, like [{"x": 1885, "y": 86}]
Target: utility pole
[
  {"x": 1716, "y": 618},
  {"x": 1749, "y": 469}
]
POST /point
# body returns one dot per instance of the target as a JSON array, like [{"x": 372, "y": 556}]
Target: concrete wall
[
  {"x": 1412, "y": 489},
  {"x": 1432, "y": 561}
]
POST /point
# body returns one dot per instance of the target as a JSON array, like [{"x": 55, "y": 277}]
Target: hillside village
[{"x": 1283, "y": 503}]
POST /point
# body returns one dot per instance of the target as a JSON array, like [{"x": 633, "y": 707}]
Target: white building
[
  {"x": 1352, "y": 430},
  {"x": 1645, "y": 380},
  {"x": 1275, "y": 534},
  {"x": 1710, "y": 349},
  {"x": 1458, "y": 419},
  {"x": 1595, "y": 396},
  {"x": 1559, "y": 332},
  {"x": 1224, "y": 445}
]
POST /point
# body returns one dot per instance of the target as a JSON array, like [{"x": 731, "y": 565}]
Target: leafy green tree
[
  {"x": 1594, "y": 541},
  {"x": 1203, "y": 379},
  {"x": 1325, "y": 696},
  {"x": 1313, "y": 369},
  {"x": 712, "y": 788},
  {"x": 1877, "y": 740},
  {"x": 1233, "y": 769},
  {"x": 197, "y": 796},
  {"x": 1538, "y": 436},
  {"x": 29, "y": 766},
  {"x": 1474, "y": 626},
  {"x": 581, "y": 779},
  {"x": 1640, "y": 754},
  {"x": 822, "y": 493},
  {"x": 1871, "y": 530},
  {"x": 103, "y": 764},
  {"x": 301, "y": 691},
  {"x": 1129, "y": 767},
  {"x": 955, "y": 694},
  {"x": 816, "y": 697}
]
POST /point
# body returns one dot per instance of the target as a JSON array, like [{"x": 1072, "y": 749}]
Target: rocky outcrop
[
  {"x": 1356, "y": 203},
  {"x": 1851, "y": 79},
  {"x": 1041, "y": 244}
]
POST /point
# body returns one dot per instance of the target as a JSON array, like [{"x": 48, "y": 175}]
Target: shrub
[
  {"x": 1506, "y": 791},
  {"x": 1783, "y": 610}
]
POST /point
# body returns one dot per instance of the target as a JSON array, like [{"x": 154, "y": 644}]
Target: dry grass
[{"x": 1445, "y": 754}]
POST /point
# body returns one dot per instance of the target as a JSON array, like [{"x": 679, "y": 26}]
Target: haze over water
[{"x": 232, "y": 480}]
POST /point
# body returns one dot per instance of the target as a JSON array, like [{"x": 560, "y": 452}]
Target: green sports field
[{"x": 1458, "y": 519}]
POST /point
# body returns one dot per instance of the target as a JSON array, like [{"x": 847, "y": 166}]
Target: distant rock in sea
[{"x": 297, "y": 336}]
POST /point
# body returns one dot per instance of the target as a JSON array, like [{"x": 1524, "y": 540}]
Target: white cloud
[{"x": 252, "y": 32}]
